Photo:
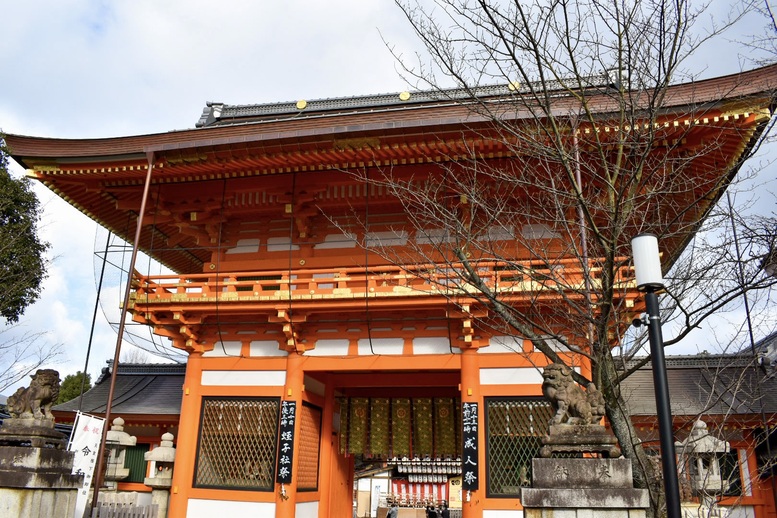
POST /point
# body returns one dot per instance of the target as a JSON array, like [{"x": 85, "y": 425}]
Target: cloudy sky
[{"x": 98, "y": 68}]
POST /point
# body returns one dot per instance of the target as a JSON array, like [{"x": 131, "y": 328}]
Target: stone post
[
  {"x": 164, "y": 457},
  {"x": 35, "y": 470}
]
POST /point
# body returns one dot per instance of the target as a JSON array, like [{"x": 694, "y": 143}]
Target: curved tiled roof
[
  {"x": 140, "y": 389},
  {"x": 706, "y": 384}
]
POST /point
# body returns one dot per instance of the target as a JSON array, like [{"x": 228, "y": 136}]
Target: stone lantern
[
  {"x": 163, "y": 457},
  {"x": 701, "y": 459},
  {"x": 117, "y": 441}
]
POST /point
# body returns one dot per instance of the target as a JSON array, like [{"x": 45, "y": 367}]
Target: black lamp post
[{"x": 647, "y": 268}]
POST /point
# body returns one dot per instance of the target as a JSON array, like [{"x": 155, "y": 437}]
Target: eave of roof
[
  {"x": 97, "y": 175},
  {"x": 361, "y": 118}
]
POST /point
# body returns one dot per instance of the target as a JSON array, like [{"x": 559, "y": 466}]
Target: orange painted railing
[{"x": 377, "y": 282}]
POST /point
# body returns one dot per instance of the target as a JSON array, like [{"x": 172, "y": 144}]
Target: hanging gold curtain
[
  {"x": 444, "y": 427},
  {"x": 358, "y": 419},
  {"x": 422, "y": 427},
  {"x": 379, "y": 426},
  {"x": 400, "y": 427}
]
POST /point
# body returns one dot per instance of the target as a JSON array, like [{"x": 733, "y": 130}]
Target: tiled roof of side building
[
  {"x": 140, "y": 389},
  {"x": 706, "y": 385}
]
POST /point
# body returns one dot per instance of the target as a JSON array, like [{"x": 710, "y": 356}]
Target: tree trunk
[{"x": 642, "y": 467}]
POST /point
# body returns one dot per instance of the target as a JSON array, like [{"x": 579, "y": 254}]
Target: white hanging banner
[{"x": 85, "y": 443}]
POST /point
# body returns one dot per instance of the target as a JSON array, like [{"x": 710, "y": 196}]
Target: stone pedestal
[
  {"x": 28, "y": 431},
  {"x": 36, "y": 482},
  {"x": 579, "y": 438},
  {"x": 583, "y": 488}
]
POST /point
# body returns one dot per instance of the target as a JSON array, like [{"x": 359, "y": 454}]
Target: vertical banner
[
  {"x": 444, "y": 428},
  {"x": 423, "y": 423},
  {"x": 379, "y": 426},
  {"x": 469, "y": 459},
  {"x": 85, "y": 443},
  {"x": 400, "y": 427},
  {"x": 357, "y": 423},
  {"x": 343, "y": 402},
  {"x": 286, "y": 443}
]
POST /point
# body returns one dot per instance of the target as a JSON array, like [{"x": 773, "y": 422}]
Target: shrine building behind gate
[{"x": 311, "y": 354}]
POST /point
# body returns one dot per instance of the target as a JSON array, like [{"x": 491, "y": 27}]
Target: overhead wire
[{"x": 94, "y": 320}]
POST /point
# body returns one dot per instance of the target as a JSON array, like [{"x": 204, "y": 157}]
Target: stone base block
[
  {"x": 583, "y": 488},
  {"x": 581, "y": 473},
  {"x": 584, "y": 513},
  {"x": 610, "y": 498},
  {"x": 38, "y": 503},
  {"x": 37, "y": 468}
]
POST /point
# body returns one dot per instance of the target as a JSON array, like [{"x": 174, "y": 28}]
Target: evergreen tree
[
  {"x": 70, "y": 388},
  {"x": 22, "y": 253}
]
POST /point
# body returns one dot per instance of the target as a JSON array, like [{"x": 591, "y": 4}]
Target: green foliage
[
  {"x": 70, "y": 388},
  {"x": 22, "y": 253}
]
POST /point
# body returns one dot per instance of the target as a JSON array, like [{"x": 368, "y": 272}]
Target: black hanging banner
[
  {"x": 286, "y": 443},
  {"x": 469, "y": 461}
]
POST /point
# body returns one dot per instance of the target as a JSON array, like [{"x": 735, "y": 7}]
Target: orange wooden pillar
[
  {"x": 286, "y": 494},
  {"x": 186, "y": 443},
  {"x": 472, "y": 501},
  {"x": 327, "y": 451}
]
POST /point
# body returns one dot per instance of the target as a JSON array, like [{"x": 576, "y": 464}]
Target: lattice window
[
  {"x": 514, "y": 428},
  {"x": 237, "y": 443},
  {"x": 309, "y": 442}
]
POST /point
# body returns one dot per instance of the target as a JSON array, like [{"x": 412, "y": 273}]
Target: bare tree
[
  {"x": 540, "y": 238},
  {"x": 22, "y": 353},
  {"x": 134, "y": 354}
]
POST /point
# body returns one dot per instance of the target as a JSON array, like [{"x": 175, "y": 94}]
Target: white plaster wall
[
  {"x": 386, "y": 238},
  {"x": 337, "y": 241},
  {"x": 431, "y": 345},
  {"x": 280, "y": 244},
  {"x": 331, "y": 347},
  {"x": 265, "y": 348},
  {"x": 741, "y": 511},
  {"x": 503, "y": 345},
  {"x": 381, "y": 346},
  {"x": 306, "y": 510},
  {"x": 243, "y": 378},
  {"x": 200, "y": 508},
  {"x": 230, "y": 348},
  {"x": 501, "y": 513},
  {"x": 245, "y": 246},
  {"x": 510, "y": 376}
]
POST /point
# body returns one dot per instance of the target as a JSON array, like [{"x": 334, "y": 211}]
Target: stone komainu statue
[
  {"x": 571, "y": 404},
  {"x": 36, "y": 400}
]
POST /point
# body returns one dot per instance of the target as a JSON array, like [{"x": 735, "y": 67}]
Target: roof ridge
[{"x": 217, "y": 112}]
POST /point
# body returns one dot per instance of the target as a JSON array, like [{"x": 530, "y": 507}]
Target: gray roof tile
[{"x": 140, "y": 389}]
